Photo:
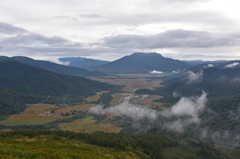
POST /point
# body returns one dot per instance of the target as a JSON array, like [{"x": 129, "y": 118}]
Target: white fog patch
[
  {"x": 236, "y": 80},
  {"x": 176, "y": 94},
  {"x": 209, "y": 66},
  {"x": 126, "y": 109},
  {"x": 176, "y": 71},
  {"x": 145, "y": 96},
  {"x": 232, "y": 65},
  {"x": 97, "y": 110},
  {"x": 177, "y": 126},
  {"x": 156, "y": 72},
  {"x": 194, "y": 77},
  {"x": 57, "y": 61},
  {"x": 189, "y": 107}
]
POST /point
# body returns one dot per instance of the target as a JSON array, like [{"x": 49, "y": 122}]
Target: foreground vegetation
[{"x": 64, "y": 144}]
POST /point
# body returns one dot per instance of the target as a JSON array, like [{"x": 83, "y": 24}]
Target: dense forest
[
  {"x": 220, "y": 117},
  {"x": 23, "y": 84},
  {"x": 63, "y": 144}
]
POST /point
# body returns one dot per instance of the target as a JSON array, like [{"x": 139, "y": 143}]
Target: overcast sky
[{"x": 108, "y": 29}]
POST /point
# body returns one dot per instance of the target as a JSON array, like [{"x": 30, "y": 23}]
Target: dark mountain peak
[
  {"x": 23, "y": 59},
  {"x": 4, "y": 58},
  {"x": 143, "y": 54},
  {"x": 142, "y": 63}
]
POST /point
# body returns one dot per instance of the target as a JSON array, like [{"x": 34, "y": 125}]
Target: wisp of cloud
[
  {"x": 126, "y": 109},
  {"x": 190, "y": 107},
  {"x": 194, "y": 77}
]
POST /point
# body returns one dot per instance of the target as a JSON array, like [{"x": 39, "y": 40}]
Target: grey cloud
[
  {"x": 6, "y": 28},
  {"x": 173, "y": 39},
  {"x": 78, "y": 18},
  {"x": 35, "y": 40},
  {"x": 185, "y": 1},
  {"x": 29, "y": 43},
  {"x": 90, "y": 16},
  {"x": 62, "y": 17},
  {"x": 17, "y": 41},
  {"x": 192, "y": 17}
]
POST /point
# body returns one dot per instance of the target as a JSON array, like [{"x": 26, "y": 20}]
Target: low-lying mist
[
  {"x": 126, "y": 109},
  {"x": 194, "y": 76},
  {"x": 185, "y": 112},
  {"x": 178, "y": 119}
]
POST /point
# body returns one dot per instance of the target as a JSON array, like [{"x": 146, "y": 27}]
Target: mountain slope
[
  {"x": 83, "y": 62},
  {"x": 10, "y": 102},
  {"x": 61, "y": 69},
  {"x": 142, "y": 63},
  {"x": 23, "y": 84}
]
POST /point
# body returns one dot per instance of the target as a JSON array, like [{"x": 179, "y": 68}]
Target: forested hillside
[
  {"x": 53, "y": 67},
  {"x": 23, "y": 84}
]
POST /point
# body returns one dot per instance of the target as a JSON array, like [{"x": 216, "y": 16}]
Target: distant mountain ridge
[
  {"x": 138, "y": 63},
  {"x": 231, "y": 64},
  {"x": 50, "y": 66},
  {"x": 81, "y": 62}
]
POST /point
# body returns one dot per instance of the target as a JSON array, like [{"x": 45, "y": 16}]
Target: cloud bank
[
  {"x": 184, "y": 113},
  {"x": 6, "y": 28},
  {"x": 15, "y": 41},
  {"x": 173, "y": 39}
]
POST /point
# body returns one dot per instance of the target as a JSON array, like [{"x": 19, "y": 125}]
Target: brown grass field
[
  {"x": 148, "y": 101},
  {"x": 131, "y": 82},
  {"x": 94, "y": 98},
  {"x": 42, "y": 113},
  {"x": 32, "y": 115},
  {"x": 88, "y": 125},
  {"x": 69, "y": 109}
]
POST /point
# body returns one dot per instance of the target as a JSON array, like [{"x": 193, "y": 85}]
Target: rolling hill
[
  {"x": 84, "y": 63},
  {"x": 141, "y": 63},
  {"x": 53, "y": 67},
  {"x": 21, "y": 84}
]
